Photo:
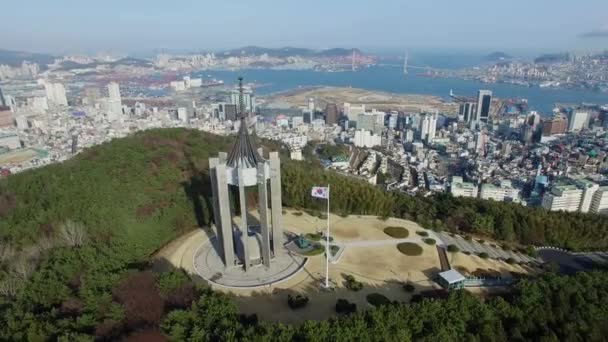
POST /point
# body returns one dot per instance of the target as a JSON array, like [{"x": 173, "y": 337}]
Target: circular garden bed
[
  {"x": 409, "y": 248},
  {"x": 397, "y": 232}
]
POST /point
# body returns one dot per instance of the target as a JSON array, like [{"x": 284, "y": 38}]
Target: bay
[{"x": 390, "y": 78}]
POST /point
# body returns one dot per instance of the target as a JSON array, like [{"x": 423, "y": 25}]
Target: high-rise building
[
  {"x": 577, "y": 120},
  {"x": 393, "y": 120},
  {"x": 563, "y": 197},
  {"x": 372, "y": 121},
  {"x": 55, "y": 92},
  {"x": 467, "y": 111},
  {"x": 352, "y": 111},
  {"x": 248, "y": 99},
  {"x": 556, "y": 125},
  {"x": 599, "y": 203},
  {"x": 114, "y": 101},
  {"x": 589, "y": 188},
  {"x": 331, "y": 114},
  {"x": 484, "y": 103},
  {"x": 482, "y": 113}
]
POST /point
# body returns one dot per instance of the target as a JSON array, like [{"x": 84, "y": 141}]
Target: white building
[
  {"x": 114, "y": 105},
  {"x": 296, "y": 121},
  {"x": 599, "y": 203},
  {"x": 10, "y": 141},
  {"x": 55, "y": 93},
  {"x": 182, "y": 114},
  {"x": 248, "y": 99},
  {"x": 460, "y": 188},
  {"x": 428, "y": 128},
  {"x": 504, "y": 192},
  {"x": 352, "y": 111},
  {"x": 563, "y": 197},
  {"x": 577, "y": 121},
  {"x": 364, "y": 138},
  {"x": 589, "y": 188},
  {"x": 178, "y": 85}
]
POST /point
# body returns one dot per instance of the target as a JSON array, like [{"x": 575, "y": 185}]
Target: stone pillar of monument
[
  {"x": 276, "y": 205},
  {"x": 244, "y": 225},
  {"x": 263, "y": 211},
  {"x": 221, "y": 202}
]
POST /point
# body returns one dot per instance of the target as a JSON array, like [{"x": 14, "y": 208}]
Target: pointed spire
[{"x": 244, "y": 152}]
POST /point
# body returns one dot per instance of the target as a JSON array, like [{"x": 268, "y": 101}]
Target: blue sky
[{"x": 136, "y": 25}]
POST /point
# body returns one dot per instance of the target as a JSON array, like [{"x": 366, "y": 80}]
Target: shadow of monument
[{"x": 198, "y": 190}]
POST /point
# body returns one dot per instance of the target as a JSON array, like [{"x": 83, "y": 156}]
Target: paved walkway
[{"x": 475, "y": 247}]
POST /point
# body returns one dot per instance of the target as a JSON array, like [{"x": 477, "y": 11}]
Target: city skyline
[{"x": 66, "y": 27}]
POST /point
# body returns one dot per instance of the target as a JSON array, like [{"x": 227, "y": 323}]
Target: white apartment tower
[
  {"x": 563, "y": 197},
  {"x": 114, "y": 101},
  {"x": 599, "y": 203}
]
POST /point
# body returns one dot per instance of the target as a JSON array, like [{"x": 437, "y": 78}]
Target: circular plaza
[{"x": 209, "y": 265}]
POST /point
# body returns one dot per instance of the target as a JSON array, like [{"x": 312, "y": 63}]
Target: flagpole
[{"x": 327, "y": 243}]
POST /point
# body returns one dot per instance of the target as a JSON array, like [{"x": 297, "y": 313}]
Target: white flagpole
[{"x": 327, "y": 243}]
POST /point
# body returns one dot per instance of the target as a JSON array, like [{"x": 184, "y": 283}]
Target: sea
[{"x": 389, "y": 77}]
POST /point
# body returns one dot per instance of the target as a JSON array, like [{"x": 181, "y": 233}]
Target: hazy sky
[{"x": 136, "y": 25}]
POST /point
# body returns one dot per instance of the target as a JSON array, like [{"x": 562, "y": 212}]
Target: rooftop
[{"x": 452, "y": 276}]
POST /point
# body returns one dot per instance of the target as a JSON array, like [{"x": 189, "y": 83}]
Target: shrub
[
  {"x": 510, "y": 261},
  {"x": 422, "y": 233},
  {"x": 377, "y": 299},
  {"x": 507, "y": 247},
  {"x": 317, "y": 249},
  {"x": 352, "y": 284},
  {"x": 313, "y": 236},
  {"x": 453, "y": 248},
  {"x": 343, "y": 306},
  {"x": 484, "y": 255},
  {"x": 430, "y": 241},
  {"x": 409, "y": 248},
  {"x": 531, "y": 251},
  {"x": 397, "y": 232},
  {"x": 481, "y": 241},
  {"x": 407, "y": 287},
  {"x": 297, "y": 213},
  {"x": 297, "y": 302},
  {"x": 467, "y": 252},
  {"x": 468, "y": 238}
]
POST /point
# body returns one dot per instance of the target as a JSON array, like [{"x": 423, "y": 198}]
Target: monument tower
[{"x": 242, "y": 168}]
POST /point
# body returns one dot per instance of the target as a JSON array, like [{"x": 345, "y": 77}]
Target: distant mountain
[
  {"x": 288, "y": 51},
  {"x": 552, "y": 58},
  {"x": 15, "y": 58},
  {"x": 498, "y": 56},
  {"x": 336, "y": 52},
  {"x": 130, "y": 61}
]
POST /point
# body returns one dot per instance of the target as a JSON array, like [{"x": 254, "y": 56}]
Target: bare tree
[
  {"x": 9, "y": 287},
  {"x": 6, "y": 252},
  {"x": 23, "y": 266},
  {"x": 73, "y": 234}
]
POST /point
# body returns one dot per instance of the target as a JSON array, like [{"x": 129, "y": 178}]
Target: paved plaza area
[
  {"x": 366, "y": 252},
  {"x": 209, "y": 265}
]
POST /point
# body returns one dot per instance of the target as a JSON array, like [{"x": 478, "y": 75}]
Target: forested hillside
[{"x": 75, "y": 239}]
